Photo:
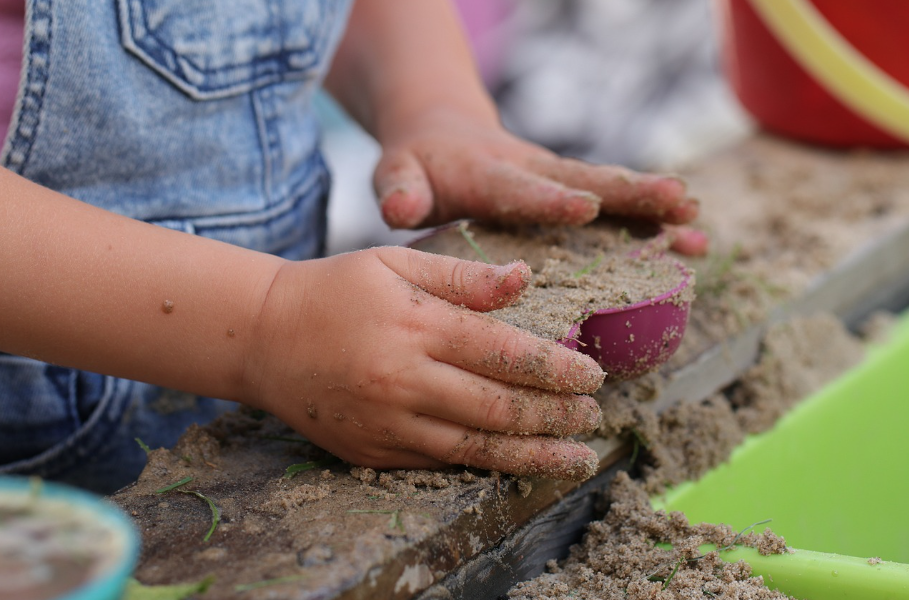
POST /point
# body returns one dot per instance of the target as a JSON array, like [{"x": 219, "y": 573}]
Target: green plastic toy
[{"x": 833, "y": 475}]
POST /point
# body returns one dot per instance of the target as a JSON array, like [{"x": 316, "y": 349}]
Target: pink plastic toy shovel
[{"x": 633, "y": 340}]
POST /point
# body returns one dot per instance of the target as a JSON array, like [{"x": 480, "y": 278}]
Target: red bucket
[{"x": 787, "y": 96}]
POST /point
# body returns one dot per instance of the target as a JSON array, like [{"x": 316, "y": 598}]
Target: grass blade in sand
[
  {"x": 215, "y": 511},
  {"x": 292, "y": 470},
  {"x": 743, "y": 532},
  {"x": 143, "y": 445},
  {"x": 590, "y": 267},
  {"x": 137, "y": 591},
  {"x": 468, "y": 235},
  {"x": 174, "y": 486}
]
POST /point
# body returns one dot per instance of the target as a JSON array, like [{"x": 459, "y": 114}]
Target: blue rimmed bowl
[{"x": 61, "y": 543}]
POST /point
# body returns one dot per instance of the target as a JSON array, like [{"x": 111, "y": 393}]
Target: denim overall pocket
[
  {"x": 247, "y": 70},
  {"x": 216, "y": 49}
]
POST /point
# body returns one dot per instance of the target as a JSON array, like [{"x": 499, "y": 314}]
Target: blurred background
[{"x": 631, "y": 82}]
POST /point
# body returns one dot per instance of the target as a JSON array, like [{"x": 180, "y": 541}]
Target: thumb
[
  {"x": 403, "y": 189},
  {"x": 476, "y": 285}
]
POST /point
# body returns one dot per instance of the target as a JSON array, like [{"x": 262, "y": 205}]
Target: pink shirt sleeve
[{"x": 12, "y": 23}]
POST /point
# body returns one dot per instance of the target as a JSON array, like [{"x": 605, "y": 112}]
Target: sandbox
[{"x": 796, "y": 231}]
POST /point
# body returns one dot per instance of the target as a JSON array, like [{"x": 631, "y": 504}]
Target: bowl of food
[
  {"x": 597, "y": 289},
  {"x": 60, "y": 543}
]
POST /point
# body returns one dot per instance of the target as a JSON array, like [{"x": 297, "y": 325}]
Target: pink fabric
[
  {"x": 483, "y": 21},
  {"x": 12, "y": 24}
]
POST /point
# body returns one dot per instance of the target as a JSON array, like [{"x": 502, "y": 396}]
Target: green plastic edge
[
  {"x": 824, "y": 576},
  {"x": 811, "y": 574}
]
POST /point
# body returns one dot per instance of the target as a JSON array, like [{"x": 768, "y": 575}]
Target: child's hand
[
  {"x": 404, "y": 71},
  {"x": 374, "y": 356},
  {"x": 444, "y": 166}
]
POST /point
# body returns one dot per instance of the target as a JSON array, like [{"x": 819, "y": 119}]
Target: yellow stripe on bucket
[{"x": 846, "y": 73}]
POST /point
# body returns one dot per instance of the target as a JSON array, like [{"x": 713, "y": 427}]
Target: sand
[
  {"x": 576, "y": 271},
  {"x": 684, "y": 441},
  {"x": 635, "y": 553},
  {"x": 778, "y": 214},
  {"x": 329, "y": 525}
]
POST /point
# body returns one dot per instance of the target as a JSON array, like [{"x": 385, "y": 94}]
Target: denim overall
[{"x": 190, "y": 114}]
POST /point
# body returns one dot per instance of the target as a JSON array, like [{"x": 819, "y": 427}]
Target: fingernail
[
  {"x": 686, "y": 210},
  {"x": 579, "y": 214},
  {"x": 398, "y": 189},
  {"x": 668, "y": 185},
  {"x": 676, "y": 178},
  {"x": 594, "y": 418},
  {"x": 697, "y": 236},
  {"x": 590, "y": 417},
  {"x": 692, "y": 242},
  {"x": 584, "y": 375},
  {"x": 564, "y": 459},
  {"x": 589, "y": 196},
  {"x": 582, "y": 415},
  {"x": 503, "y": 272},
  {"x": 581, "y": 467},
  {"x": 400, "y": 210}
]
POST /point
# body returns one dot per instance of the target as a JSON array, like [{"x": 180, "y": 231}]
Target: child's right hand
[
  {"x": 368, "y": 354},
  {"x": 379, "y": 357}
]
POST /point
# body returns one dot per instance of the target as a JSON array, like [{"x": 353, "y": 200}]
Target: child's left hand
[
  {"x": 405, "y": 73},
  {"x": 445, "y": 166}
]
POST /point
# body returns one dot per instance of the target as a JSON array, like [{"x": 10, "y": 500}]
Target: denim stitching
[
  {"x": 284, "y": 65},
  {"x": 259, "y": 116},
  {"x": 314, "y": 167},
  {"x": 234, "y": 74},
  {"x": 39, "y": 28},
  {"x": 312, "y": 190},
  {"x": 276, "y": 25},
  {"x": 268, "y": 61},
  {"x": 266, "y": 98}
]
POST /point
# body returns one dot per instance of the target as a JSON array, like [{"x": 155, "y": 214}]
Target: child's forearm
[
  {"x": 308, "y": 341},
  {"x": 399, "y": 59},
  {"x": 85, "y": 288}
]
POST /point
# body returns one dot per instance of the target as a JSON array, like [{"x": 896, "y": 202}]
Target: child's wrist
[
  {"x": 266, "y": 329},
  {"x": 416, "y": 117}
]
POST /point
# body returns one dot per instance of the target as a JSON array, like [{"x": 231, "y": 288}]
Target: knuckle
[
  {"x": 471, "y": 448},
  {"x": 384, "y": 383},
  {"x": 459, "y": 278},
  {"x": 379, "y": 253},
  {"x": 381, "y": 451},
  {"x": 508, "y": 350},
  {"x": 497, "y": 414}
]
